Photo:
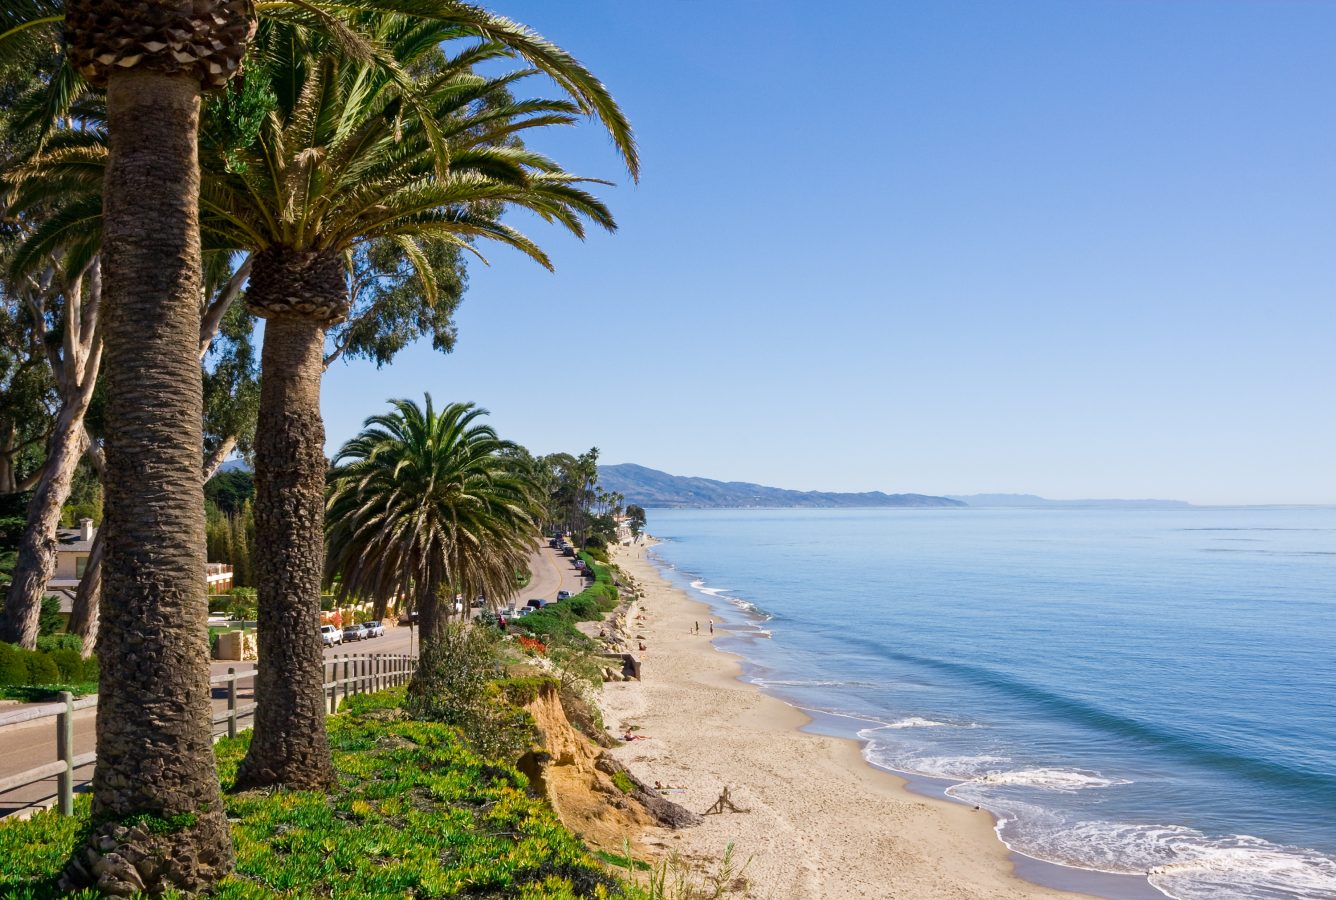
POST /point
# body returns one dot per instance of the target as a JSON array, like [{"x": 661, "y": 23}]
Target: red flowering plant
[{"x": 533, "y": 646}]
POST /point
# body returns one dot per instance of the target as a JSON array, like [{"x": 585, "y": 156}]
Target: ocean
[{"x": 1150, "y": 692}]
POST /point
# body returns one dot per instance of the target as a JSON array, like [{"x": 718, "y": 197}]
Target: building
[{"x": 73, "y": 547}]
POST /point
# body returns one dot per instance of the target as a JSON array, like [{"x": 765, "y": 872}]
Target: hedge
[
  {"x": 57, "y": 667},
  {"x": 557, "y": 620}
]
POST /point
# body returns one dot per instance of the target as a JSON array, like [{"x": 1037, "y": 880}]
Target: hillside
[{"x": 652, "y": 488}]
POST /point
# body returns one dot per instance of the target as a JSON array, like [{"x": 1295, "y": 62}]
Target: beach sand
[{"x": 822, "y": 823}]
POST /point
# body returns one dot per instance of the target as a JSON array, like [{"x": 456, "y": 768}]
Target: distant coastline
[{"x": 653, "y": 489}]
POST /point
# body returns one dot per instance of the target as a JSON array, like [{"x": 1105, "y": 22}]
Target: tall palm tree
[
  {"x": 154, "y": 58},
  {"x": 424, "y": 504},
  {"x": 341, "y": 160}
]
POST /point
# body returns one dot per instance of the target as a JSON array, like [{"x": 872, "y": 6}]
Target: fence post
[
  {"x": 231, "y": 702},
  {"x": 65, "y": 750},
  {"x": 375, "y": 672},
  {"x": 333, "y": 685}
]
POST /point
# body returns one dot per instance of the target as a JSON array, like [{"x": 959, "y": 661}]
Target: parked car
[
  {"x": 354, "y": 633},
  {"x": 374, "y": 629},
  {"x": 563, "y": 595},
  {"x": 567, "y": 551},
  {"x": 523, "y": 611},
  {"x": 536, "y": 603},
  {"x": 330, "y": 635}
]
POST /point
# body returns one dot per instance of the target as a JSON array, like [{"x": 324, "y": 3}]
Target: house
[{"x": 73, "y": 546}]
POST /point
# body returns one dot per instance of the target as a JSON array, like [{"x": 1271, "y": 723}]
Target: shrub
[
  {"x": 41, "y": 669},
  {"x": 454, "y": 685},
  {"x": 92, "y": 669},
  {"x": 13, "y": 665},
  {"x": 60, "y": 642},
  {"x": 69, "y": 664}
]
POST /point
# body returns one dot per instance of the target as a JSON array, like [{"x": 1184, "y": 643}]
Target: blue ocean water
[{"x": 1139, "y": 691}]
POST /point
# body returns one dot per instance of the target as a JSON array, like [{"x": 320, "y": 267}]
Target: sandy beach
[{"x": 821, "y": 822}]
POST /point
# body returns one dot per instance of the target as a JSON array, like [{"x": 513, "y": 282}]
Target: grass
[
  {"x": 415, "y": 814},
  {"x": 42, "y": 693}
]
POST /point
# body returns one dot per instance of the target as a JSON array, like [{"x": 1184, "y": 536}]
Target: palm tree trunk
[
  {"x": 36, "y": 561},
  {"x": 433, "y": 622},
  {"x": 289, "y": 745},
  {"x": 156, "y": 801}
]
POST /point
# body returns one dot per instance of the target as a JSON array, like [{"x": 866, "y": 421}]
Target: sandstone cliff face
[{"x": 582, "y": 783}]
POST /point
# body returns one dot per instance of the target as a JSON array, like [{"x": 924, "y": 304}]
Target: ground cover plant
[{"x": 415, "y": 813}]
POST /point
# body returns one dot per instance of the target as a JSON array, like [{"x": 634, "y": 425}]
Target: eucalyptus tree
[{"x": 425, "y": 504}]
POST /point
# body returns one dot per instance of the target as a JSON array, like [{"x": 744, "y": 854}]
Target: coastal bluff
[{"x": 647, "y": 487}]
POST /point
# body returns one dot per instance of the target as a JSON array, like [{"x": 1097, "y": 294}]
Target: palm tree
[
  {"x": 340, "y": 159},
  {"x": 154, "y": 59},
  {"x": 343, "y": 160},
  {"x": 424, "y": 504}
]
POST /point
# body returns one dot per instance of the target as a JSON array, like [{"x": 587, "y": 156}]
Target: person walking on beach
[
  {"x": 712, "y": 626},
  {"x": 697, "y": 629}
]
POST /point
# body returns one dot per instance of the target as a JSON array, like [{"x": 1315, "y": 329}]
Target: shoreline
[{"x": 821, "y": 820}]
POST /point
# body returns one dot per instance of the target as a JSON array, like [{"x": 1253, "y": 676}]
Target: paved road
[{"x": 33, "y": 744}]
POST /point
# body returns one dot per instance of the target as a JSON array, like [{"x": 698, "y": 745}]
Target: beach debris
[
  {"x": 664, "y": 811},
  {"x": 723, "y": 804}
]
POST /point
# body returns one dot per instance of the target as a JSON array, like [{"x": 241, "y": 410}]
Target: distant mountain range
[{"x": 652, "y": 488}]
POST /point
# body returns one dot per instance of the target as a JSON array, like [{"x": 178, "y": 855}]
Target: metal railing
[{"x": 349, "y": 674}]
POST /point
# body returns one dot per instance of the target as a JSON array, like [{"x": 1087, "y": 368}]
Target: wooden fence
[{"x": 348, "y": 674}]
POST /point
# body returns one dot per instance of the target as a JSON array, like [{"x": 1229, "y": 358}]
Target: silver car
[{"x": 374, "y": 629}]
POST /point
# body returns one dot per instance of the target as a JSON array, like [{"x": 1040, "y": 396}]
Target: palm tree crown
[{"x": 423, "y": 501}]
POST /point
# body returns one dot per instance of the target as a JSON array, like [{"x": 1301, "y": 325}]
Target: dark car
[
  {"x": 568, "y": 551},
  {"x": 536, "y": 603}
]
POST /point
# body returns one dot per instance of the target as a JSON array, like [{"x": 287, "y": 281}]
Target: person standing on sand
[{"x": 712, "y": 626}]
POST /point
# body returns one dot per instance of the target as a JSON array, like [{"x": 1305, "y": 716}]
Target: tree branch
[{"x": 212, "y": 319}]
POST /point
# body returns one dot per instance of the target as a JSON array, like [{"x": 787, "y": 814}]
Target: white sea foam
[
  {"x": 1181, "y": 862},
  {"x": 955, "y": 768},
  {"x": 916, "y": 722},
  {"x": 1048, "y": 779}
]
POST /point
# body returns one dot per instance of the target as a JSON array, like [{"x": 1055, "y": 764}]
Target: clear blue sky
[{"x": 1074, "y": 248}]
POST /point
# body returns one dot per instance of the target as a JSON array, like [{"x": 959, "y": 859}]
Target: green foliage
[
  {"x": 85, "y": 500},
  {"x": 13, "y": 665},
  {"x": 69, "y": 665},
  {"x": 230, "y": 490},
  {"x": 416, "y": 813},
  {"x": 60, "y": 642},
  {"x": 636, "y": 516},
  {"x": 50, "y": 621},
  {"x": 39, "y": 674},
  {"x": 555, "y": 623},
  {"x": 455, "y": 684},
  {"x": 623, "y": 782},
  {"x": 42, "y": 668}
]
